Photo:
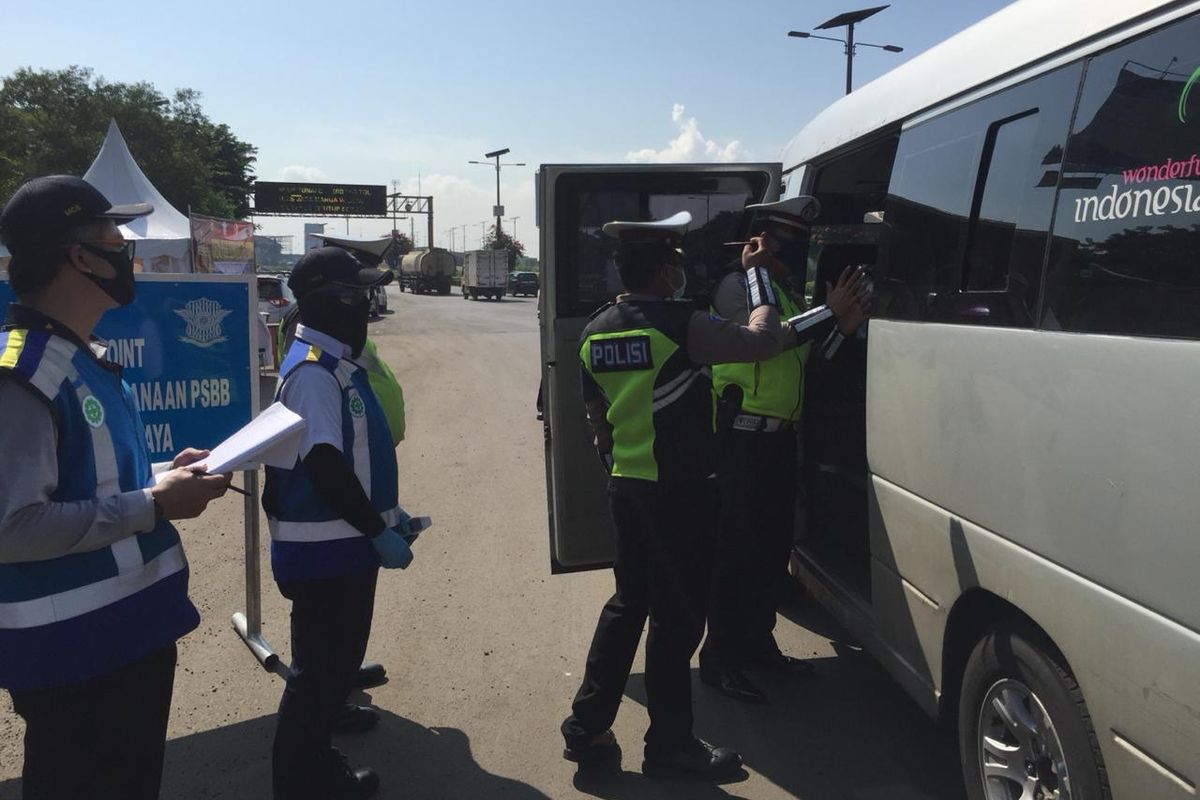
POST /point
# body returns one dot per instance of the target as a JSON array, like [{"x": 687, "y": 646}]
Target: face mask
[
  {"x": 793, "y": 253},
  {"x": 340, "y": 314},
  {"x": 120, "y": 286}
]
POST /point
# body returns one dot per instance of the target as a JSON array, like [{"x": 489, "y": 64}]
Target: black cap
[
  {"x": 46, "y": 207},
  {"x": 333, "y": 266}
]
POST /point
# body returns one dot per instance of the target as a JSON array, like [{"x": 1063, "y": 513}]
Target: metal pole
[
  {"x": 497, "y": 200},
  {"x": 429, "y": 220},
  {"x": 850, "y": 58},
  {"x": 249, "y": 624}
]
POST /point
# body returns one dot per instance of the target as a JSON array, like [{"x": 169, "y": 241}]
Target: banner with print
[
  {"x": 224, "y": 246},
  {"x": 185, "y": 348}
]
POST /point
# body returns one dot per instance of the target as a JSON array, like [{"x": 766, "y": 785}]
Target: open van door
[{"x": 579, "y": 276}]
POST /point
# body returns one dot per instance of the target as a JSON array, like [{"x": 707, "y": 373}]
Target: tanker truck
[{"x": 426, "y": 271}]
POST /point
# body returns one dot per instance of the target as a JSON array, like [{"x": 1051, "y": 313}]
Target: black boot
[{"x": 694, "y": 759}]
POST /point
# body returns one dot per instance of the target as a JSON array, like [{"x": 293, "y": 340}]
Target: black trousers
[
  {"x": 331, "y": 623},
  {"x": 756, "y": 473},
  {"x": 101, "y": 739},
  {"x": 663, "y": 571}
]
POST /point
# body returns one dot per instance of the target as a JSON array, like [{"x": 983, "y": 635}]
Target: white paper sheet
[{"x": 271, "y": 438}]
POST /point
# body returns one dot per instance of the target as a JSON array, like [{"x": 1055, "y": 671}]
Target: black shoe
[
  {"x": 348, "y": 783},
  {"x": 734, "y": 683},
  {"x": 355, "y": 719},
  {"x": 695, "y": 759},
  {"x": 599, "y": 749},
  {"x": 790, "y": 665},
  {"x": 369, "y": 675}
]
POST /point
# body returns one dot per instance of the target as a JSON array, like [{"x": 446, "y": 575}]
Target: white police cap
[
  {"x": 663, "y": 230},
  {"x": 798, "y": 212}
]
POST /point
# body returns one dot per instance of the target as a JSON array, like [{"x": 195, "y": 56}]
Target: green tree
[
  {"x": 502, "y": 241},
  {"x": 403, "y": 247},
  {"x": 54, "y": 121}
]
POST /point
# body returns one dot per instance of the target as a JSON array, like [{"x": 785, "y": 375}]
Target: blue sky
[{"x": 371, "y": 92}]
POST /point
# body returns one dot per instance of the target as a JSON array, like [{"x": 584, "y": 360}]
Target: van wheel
[{"x": 1023, "y": 728}]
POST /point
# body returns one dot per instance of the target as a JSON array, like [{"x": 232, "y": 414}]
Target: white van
[{"x": 1002, "y": 481}]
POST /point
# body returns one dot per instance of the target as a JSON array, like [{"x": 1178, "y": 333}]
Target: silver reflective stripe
[
  {"x": 85, "y": 599},
  {"x": 832, "y": 342},
  {"x": 54, "y": 367},
  {"x": 108, "y": 482},
  {"x": 759, "y": 291},
  {"x": 362, "y": 443},
  {"x": 674, "y": 383},
  {"x": 680, "y": 391},
  {"x": 127, "y": 554},
  {"x": 802, "y": 322},
  {"x": 328, "y": 531}
]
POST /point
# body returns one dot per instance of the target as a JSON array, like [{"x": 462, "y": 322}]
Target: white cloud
[
  {"x": 689, "y": 145},
  {"x": 297, "y": 172}
]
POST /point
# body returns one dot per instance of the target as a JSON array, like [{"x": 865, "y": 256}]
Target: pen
[{"x": 239, "y": 490}]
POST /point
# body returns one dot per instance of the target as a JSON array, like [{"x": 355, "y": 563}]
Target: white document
[{"x": 271, "y": 438}]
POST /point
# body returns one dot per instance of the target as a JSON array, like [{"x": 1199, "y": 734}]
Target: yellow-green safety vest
[{"x": 773, "y": 388}]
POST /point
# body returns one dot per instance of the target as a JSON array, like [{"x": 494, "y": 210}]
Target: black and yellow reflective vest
[
  {"x": 660, "y": 404},
  {"x": 773, "y": 388}
]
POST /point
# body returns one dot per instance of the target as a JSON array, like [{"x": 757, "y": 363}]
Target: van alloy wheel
[{"x": 1020, "y": 753}]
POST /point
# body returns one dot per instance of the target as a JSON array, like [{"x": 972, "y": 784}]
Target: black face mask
[
  {"x": 341, "y": 314},
  {"x": 120, "y": 286},
  {"x": 794, "y": 253}
]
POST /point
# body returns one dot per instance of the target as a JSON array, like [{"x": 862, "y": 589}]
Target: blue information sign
[{"x": 185, "y": 346}]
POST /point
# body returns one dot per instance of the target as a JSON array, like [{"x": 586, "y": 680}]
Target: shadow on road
[
  {"x": 234, "y": 763},
  {"x": 846, "y": 732}
]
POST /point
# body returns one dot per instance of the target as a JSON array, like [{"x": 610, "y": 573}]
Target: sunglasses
[
  {"x": 111, "y": 246},
  {"x": 346, "y": 295}
]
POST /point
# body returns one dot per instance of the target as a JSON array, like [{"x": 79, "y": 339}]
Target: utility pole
[
  {"x": 848, "y": 21},
  {"x": 498, "y": 210}
]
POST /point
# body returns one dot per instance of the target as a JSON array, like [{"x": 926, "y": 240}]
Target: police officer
[
  {"x": 334, "y": 518},
  {"x": 648, "y": 393},
  {"x": 756, "y": 455},
  {"x": 93, "y": 579}
]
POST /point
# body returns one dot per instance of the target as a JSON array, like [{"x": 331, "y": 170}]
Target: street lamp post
[
  {"x": 482, "y": 233},
  {"x": 514, "y": 226},
  {"x": 498, "y": 211},
  {"x": 848, "y": 21}
]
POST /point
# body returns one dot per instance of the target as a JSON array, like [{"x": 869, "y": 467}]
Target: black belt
[{"x": 753, "y": 423}]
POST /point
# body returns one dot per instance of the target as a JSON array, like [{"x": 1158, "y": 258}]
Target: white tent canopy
[{"x": 164, "y": 236}]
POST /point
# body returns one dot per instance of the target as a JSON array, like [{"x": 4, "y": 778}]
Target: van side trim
[{"x": 1152, "y": 762}]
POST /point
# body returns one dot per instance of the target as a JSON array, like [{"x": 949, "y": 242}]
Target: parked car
[
  {"x": 379, "y": 300},
  {"x": 274, "y": 297},
  {"x": 526, "y": 283}
]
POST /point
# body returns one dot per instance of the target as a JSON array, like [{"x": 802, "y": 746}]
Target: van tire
[{"x": 1014, "y": 667}]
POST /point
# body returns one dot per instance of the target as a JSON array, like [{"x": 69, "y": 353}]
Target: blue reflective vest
[
  {"x": 309, "y": 540},
  {"x": 75, "y": 617}
]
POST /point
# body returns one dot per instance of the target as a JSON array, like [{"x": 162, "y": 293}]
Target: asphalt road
[{"x": 484, "y": 647}]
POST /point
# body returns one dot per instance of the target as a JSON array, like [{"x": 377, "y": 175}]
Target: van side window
[
  {"x": 969, "y": 207},
  {"x": 1126, "y": 256},
  {"x": 851, "y": 188},
  {"x": 998, "y": 199},
  {"x": 588, "y": 278}
]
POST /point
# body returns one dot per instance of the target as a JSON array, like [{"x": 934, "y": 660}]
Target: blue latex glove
[{"x": 393, "y": 551}]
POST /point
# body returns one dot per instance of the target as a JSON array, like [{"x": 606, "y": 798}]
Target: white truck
[{"x": 485, "y": 274}]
